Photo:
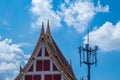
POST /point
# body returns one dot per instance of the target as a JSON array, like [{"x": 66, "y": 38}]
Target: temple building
[{"x": 47, "y": 61}]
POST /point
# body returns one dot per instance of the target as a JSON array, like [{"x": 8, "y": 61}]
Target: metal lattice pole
[{"x": 88, "y": 56}]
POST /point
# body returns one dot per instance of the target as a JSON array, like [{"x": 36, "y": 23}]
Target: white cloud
[
  {"x": 76, "y": 14},
  {"x": 100, "y": 8},
  {"x": 80, "y": 13},
  {"x": 42, "y": 11},
  {"x": 106, "y": 37},
  {"x": 11, "y": 56}
]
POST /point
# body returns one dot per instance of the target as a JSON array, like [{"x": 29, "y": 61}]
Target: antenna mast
[
  {"x": 88, "y": 36},
  {"x": 88, "y": 55}
]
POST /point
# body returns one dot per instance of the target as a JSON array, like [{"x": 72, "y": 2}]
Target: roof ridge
[{"x": 60, "y": 57}]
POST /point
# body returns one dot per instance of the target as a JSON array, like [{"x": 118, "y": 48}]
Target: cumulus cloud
[
  {"x": 11, "y": 56},
  {"x": 77, "y": 14},
  {"x": 100, "y": 8},
  {"x": 106, "y": 37},
  {"x": 42, "y": 11}
]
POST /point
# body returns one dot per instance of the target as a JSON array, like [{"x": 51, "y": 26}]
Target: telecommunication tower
[{"x": 88, "y": 55}]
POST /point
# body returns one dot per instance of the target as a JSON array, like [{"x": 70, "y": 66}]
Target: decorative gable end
[{"x": 45, "y": 64}]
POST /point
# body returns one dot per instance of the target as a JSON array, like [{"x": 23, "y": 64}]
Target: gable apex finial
[
  {"x": 48, "y": 28},
  {"x": 42, "y": 30},
  {"x": 20, "y": 68}
]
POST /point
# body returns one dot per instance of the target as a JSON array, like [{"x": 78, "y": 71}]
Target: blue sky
[{"x": 20, "y": 26}]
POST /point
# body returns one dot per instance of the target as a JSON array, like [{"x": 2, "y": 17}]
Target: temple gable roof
[{"x": 55, "y": 55}]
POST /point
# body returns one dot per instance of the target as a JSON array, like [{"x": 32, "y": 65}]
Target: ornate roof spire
[
  {"x": 42, "y": 30},
  {"x": 20, "y": 68},
  {"x": 48, "y": 28}
]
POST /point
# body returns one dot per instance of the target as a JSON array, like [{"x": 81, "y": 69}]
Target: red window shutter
[
  {"x": 46, "y": 53},
  {"x": 46, "y": 65},
  {"x": 57, "y": 77},
  {"x": 48, "y": 77},
  {"x": 54, "y": 67},
  {"x": 28, "y": 77},
  {"x": 40, "y": 53},
  {"x": 37, "y": 77},
  {"x": 31, "y": 68},
  {"x": 39, "y": 65}
]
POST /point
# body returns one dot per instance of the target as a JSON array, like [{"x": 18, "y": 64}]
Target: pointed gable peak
[
  {"x": 42, "y": 30},
  {"x": 20, "y": 68},
  {"x": 48, "y": 28}
]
